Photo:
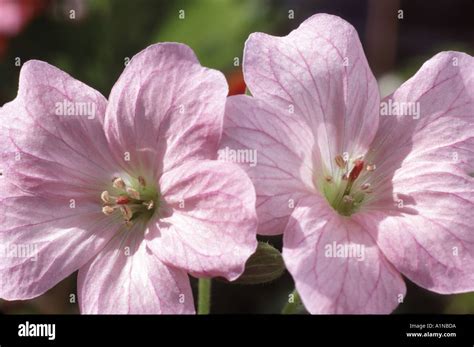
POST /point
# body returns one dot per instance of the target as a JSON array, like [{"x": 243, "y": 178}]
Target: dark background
[{"x": 93, "y": 47}]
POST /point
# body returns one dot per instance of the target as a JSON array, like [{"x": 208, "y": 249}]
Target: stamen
[
  {"x": 365, "y": 186},
  {"x": 141, "y": 181},
  {"x": 108, "y": 210},
  {"x": 126, "y": 212},
  {"x": 134, "y": 194},
  {"x": 132, "y": 202},
  {"x": 328, "y": 179},
  {"x": 149, "y": 204},
  {"x": 118, "y": 183},
  {"x": 340, "y": 161},
  {"x": 371, "y": 167},
  {"x": 105, "y": 196}
]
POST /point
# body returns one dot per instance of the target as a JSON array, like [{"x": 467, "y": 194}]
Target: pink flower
[
  {"x": 361, "y": 197},
  {"x": 124, "y": 190}
]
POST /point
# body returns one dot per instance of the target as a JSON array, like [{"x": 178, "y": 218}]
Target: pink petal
[
  {"x": 425, "y": 164},
  {"x": 432, "y": 243},
  {"x": 56, "y": 241},
  {"x": 283, "y": 147},
  {"x": 53, "y": 169},
  {"x": 50, "y": 154},
  {"x": 165, "y": 109},
  {"x": 337, "y": 284},
  {"x": 127, "y": 278},
  {"x": 210, "y": 226},
  {"x": 321, "y": 71},
  {"x": 444, "y": 91}
]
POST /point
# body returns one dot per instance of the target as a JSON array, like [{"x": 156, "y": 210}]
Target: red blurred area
[
  {"x": 15, "y": 16},
  {"x": 236, "y": 82}
]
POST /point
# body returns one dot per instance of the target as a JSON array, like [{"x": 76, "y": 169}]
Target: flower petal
[
  {"x": 442, "y": 131},
  {"x": 126, "y": 278},
  {"x": 430, "y": 240},
  {"x": 165, "y": 109},
  {"x": 321, "y": 72},
  {"x": 359, "y": 282},
  {"x": 44, "y": 241},
  {"x": 426, "y": 196},
  {"x": 52, "y": 134},
  {"x": 54, "y": 163},
  {"x": 211, "y": 226},
  {"x": 282, "y": 148}
]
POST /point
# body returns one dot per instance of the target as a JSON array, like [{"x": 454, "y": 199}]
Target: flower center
[
  {"x": 343, "y": 188},
  {"x": 132, "y": 201}
]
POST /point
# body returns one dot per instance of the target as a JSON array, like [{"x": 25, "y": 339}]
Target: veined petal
[
  {"x": 53, "y": 141},
  {"x": 126, "y": 278},
  {"x": 211, "y": 227},
  {"x": 320, "y": 71},
  {"x": 430, "y": 240},
  {"x": 54, "y": 161},
  {"x": 282, "y": 149},
  {"x": 442, "y": 92},
  {"x": 165, "y": 109},
  {"x": 329, "y": 278},
  {"x": 423, "y": 212},
  {"x": 45, "y": 240}
]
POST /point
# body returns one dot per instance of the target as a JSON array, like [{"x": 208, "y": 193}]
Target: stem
[
  {"x": 204, "y": 296},
  {"x": 294, "y": 306}
]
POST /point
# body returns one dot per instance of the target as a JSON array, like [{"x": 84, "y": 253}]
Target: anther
[
  {"x": 141, "y": 181},
  {"x": 365, "y": 186},
  {"x": 371, "y": 167},
  {"x": 107, "y": 210},
  {"x": 134, "y": 194},
  {"x": 105, "y": 196},
  {"x": 149, "y": 204},
  {"x": 126, "y": 212},
  {"x": 328, "y": 179},
  {"x": 118, "y": 183},
  {"x": 340, "y": 161}
]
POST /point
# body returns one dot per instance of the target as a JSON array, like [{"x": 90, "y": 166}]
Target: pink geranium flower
[
  {"x": 124, "y": 190},
  {"x": 362, "y": 197}
]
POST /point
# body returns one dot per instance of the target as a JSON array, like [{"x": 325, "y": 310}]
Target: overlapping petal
[
  {"x": 282, "y": 145},
  {"x": 165, "y": 109},
  {"x": 209, "y": 229},
  {"x": 126, "y": 278},
  {"x": 319, "y": 72},
  {"x": 336, "y": 264}
]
